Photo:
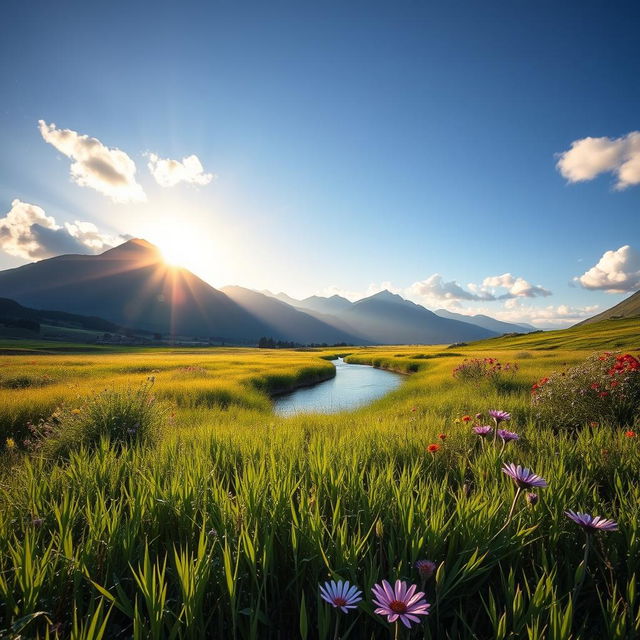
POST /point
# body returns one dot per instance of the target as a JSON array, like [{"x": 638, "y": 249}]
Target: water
[{"x": 354, "y": 386}]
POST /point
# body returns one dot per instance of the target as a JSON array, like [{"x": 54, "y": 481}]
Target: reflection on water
[{"x": 354, "y": 386}]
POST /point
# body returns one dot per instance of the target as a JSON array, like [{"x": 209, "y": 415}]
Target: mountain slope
[
  {"x": 11, "y": 310},
  {"x": 486, "y": 322},
  {"x": 386, "y": 318},
  {"x": 629, "y": 308},
  {"x": 332, "y": 305},
  {"x": 132, "y": 286},
  {"x": 285, "y": 320}
]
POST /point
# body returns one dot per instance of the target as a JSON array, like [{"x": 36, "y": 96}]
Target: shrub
[
  {"x": 478, "y": 370},
  {"x": 604, "y": 388},
  {"x": 123, "y": 417}
]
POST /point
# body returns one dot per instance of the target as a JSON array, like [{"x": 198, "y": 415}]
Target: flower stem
[
  {"x": 335, "y": 634},
  {"x": 585, "y": 559},
  {"x": 508, "y": 520},
  {"x": 396, "y": 635}
]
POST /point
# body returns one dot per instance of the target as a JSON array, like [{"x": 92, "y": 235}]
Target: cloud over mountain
[
  {"x": 436, "y": 288},
  {"x": 27, "y": 232},
  {"x": 109, "y": 171},
  {"x": 589, "y": 157},
  {"x": 168, "y": 172},
  {"x": 616, "y": 272}
]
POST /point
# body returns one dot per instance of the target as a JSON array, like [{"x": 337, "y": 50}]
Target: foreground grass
[{"x": 226, "y": 527}]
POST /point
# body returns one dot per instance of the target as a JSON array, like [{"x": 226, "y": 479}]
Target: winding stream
[{"x": 353, "y": 386}]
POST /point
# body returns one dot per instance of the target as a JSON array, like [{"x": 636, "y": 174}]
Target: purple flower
[
  {"x": 401, "y": 602},
  {"x": 499, "y": 416},
  {"x": 524, "y": 478},
  {"x": 592, "y": 523},
  {"x": 426, "y": 568},
  {"x": 341, "y": 595},
  {"x": 507, "y": 436},
  {"x": 532, "y": 498},
  {"x": 483, "y": 431}
]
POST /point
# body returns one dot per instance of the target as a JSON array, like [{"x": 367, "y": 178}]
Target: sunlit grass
[{"x": 226, "y": 526}]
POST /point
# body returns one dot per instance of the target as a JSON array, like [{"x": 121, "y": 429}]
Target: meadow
[{"x": 227, "y": 521}]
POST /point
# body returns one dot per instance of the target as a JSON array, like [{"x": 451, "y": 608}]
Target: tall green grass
[{"x": 226, "y": 526}]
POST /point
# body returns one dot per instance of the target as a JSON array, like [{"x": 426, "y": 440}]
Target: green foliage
[
  {"x": 603, "y": 388},
  {"x": 225, "y": 526},
  {"x": 120, "y": 417}
]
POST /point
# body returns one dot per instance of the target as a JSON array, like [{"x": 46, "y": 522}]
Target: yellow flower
[
  {"x": 10, "y": 444},
  {"x": 75, "y": 411}
]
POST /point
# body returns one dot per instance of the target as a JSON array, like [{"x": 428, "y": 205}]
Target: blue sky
[{"x": 342, "y": 146}]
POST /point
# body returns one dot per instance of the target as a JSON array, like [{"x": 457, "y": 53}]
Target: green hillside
[
  {"x": 621, "y": 333},
  {"x": 629, "y": 308}
]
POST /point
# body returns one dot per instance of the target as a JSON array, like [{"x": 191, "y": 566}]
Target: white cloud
[
  {"x": 516, "y": 287},
  {"x": 88, "y": 234},
  {"x": 27, "y": 232},
  {"x": 110, "y": 171},
  {"x": 589, "y": 157},
  {"x": 435, "y": 288},
  {"x": 168, "y": 173},
  {"x": 616, "y": 272}
]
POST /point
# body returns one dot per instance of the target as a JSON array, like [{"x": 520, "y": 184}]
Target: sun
[{"x": 180, "y": 245}]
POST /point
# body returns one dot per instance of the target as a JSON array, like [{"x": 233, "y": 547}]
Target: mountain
[
  {"x": 283, "y": 297},
  {"x": 486, "y": 322},
  {"x": 132, "y": 286},
  {"x": 629, "y": 308},
  {"x": 333, "y": 305},
  {"x": 11, "y": 311},
  {"x": 285, "y": 320},
  {"x": 387, "y": 318}
]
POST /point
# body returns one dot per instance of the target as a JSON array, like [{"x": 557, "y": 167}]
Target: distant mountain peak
[
  {"x": 135, "y": 248},
  {"x": 386, "y": 295}
]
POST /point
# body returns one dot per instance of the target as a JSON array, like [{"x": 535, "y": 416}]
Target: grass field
[{"x": 225, "y": 526}]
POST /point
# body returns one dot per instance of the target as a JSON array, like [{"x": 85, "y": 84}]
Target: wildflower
[
  {"x": 432, "y": 448},
  {"x": 591, "y": 524},
  {"x": 523, "y": 478},
  {"x": 465, "y": 418},
  {"x": 402, "y": 602},
  {"x": 75, "y": 412},
  {"x": 341, "y": 595},
  {"x": 507, "y": 436},
  {"x": 10, "y": 444},
  {"x": 442, "y": 436},
  {"x": 426, "y": 568},
  {"x": 37, "y": 522},
  {"x": 532, "y": 498},
  {"x": 212, "y": 533},
  {"x": 478, "y": 416},
  {"x": 483, "y": 431},
  {"x": 630, "y": 434},
  {"x": 499, "y": 416},
  {"x": 414, "y": 409}
]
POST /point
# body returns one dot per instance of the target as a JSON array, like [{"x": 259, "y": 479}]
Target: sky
[{"x": 483, "y": 157}]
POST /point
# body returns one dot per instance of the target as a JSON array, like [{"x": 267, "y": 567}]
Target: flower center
[
  {"x": 397, "y": 606},
  {"x": 339, "y": 601}
]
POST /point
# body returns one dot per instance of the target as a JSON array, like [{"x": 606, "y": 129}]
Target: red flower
[
  {"x": 603, "y": 394},
  {"x": 442, "y": 436},
  {"x": 630, "y": 434},
  {"x": 432, "y": 448},
  {"x": 466, "y": 418}
]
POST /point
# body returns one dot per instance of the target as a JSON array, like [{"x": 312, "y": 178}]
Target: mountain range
[{"x": 131, "y": 285}]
